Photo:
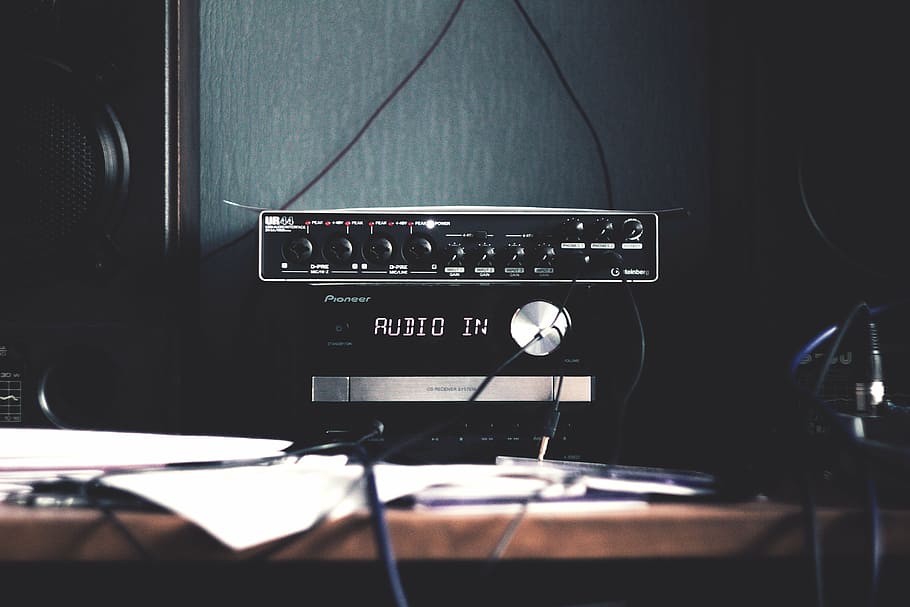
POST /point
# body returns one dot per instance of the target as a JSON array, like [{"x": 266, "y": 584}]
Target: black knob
[
  {"x": 454, "y": 255},
  {"x": 378, "y": 249},
  {"x": 603, "y": 231},
  {"x": 573, "y": 230},
  {"x": 516, "y": 256},
  {"x": 298, "y": 250},
  {"x": 544, "y": 255},
  {"x": 418, "y": 249},
  {"x": 338, "y": 249},
  {"x": 484, "y": 255},
  {"x": 632, "y": 229}
]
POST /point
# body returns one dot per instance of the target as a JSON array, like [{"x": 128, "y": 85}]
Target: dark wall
[{"x": 285, "y": 85}]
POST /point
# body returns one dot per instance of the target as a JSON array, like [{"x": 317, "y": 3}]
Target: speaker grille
[
  {"x": 67, "y": 170},
  {"x": 59, "y": 173}
]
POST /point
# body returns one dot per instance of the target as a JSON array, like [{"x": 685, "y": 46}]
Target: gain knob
[
  {"x": 516, "y": 257},
  {"x": 484, "y": 256},
  {"x": 539, "y": 327},
  {"x": 454, "y": 255},
  {"x": 544, "y": 256}
]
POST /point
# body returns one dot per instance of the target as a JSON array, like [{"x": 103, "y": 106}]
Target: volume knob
[
  {"x": 632, "y": 228},
  {"x": 573, "y": 230},
  {"x": 539, "y": 327}
]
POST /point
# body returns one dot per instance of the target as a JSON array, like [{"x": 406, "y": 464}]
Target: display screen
[{"x": 429, "y": 326}]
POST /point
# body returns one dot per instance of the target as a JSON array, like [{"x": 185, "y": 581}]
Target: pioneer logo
[{"x": 335, "y": 299}]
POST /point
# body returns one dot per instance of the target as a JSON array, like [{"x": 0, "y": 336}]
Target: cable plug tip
[{"x": 543, "y": 448}]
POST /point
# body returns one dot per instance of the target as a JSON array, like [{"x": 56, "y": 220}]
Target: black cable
[
  {"x": 804, "y": 199},
  {"x": 551, "y": 422},
  {"x": 432, "y": 429},
  {"x": 608, "y": 187},
  {"x": 88, "y": 489},
  {"x": 111, "y": 516},
  {"x": 444, "y": 423},
  {"x": 855, "y": 448},
  {"x": 376, "y": 508},
  {"x": 512, "y": 527},
  {"x": 813, "y": 535},
  {"x": 623, "y": 400},
  {"x": 357, "y": 136},
  {"x": 381, "y": 530}
]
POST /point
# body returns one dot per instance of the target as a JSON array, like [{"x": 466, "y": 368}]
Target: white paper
[
  {"x": 51, "y": 448},
  {"x": 249, "y": 505},
  {"x": 32, "y": 455}
]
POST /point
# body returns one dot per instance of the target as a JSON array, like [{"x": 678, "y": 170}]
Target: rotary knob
[
  {"x": 539, "y": 327},
  {"x": 603, "y": 231},
  {"x": 454, "y": 255},
  {"x": 484, "y": 256},
  {"x": 632, "y": 229},
  {"x": 544, "y": 255},
  {"x": 516, "y": 256},
  {"x": 573, "y": 230}
]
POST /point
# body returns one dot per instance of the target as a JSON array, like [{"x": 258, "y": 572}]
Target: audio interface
[{"x": 453, "y": 245}]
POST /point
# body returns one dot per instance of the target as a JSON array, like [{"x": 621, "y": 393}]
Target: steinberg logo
[{"x": 334, "y": 299}]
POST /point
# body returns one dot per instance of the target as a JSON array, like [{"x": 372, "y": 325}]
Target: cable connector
[
  {"x": 870, "y": 386},
  {"x": 549, "y": 431}
]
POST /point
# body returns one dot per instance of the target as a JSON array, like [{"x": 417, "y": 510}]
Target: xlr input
[{"x": 378, "y": 249}]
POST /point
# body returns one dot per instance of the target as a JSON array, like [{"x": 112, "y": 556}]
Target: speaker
[
  {"x": 829, "y": 148},
  {"x": 93, "y": 219}
]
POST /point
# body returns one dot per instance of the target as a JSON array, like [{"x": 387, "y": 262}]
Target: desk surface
[
  {"x": 659, "y": 531},
  {"x": 744, "y": 554}
]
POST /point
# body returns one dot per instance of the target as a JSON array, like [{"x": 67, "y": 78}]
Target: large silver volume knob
[{"x": 543, "y": 318}]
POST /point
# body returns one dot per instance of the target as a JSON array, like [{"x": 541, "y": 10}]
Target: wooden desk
[{"x": 726, "y": 552}]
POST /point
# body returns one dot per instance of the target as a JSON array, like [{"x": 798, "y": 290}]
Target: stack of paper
[{"x": 31, "y": 454}]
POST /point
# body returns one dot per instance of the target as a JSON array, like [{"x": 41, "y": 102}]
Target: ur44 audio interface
[{"x": 450, "y": 245}]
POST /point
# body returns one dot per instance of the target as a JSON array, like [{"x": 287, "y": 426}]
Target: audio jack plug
[
  {"x": 549, "y": 432},
  {"x": 870, "y": 386}
]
